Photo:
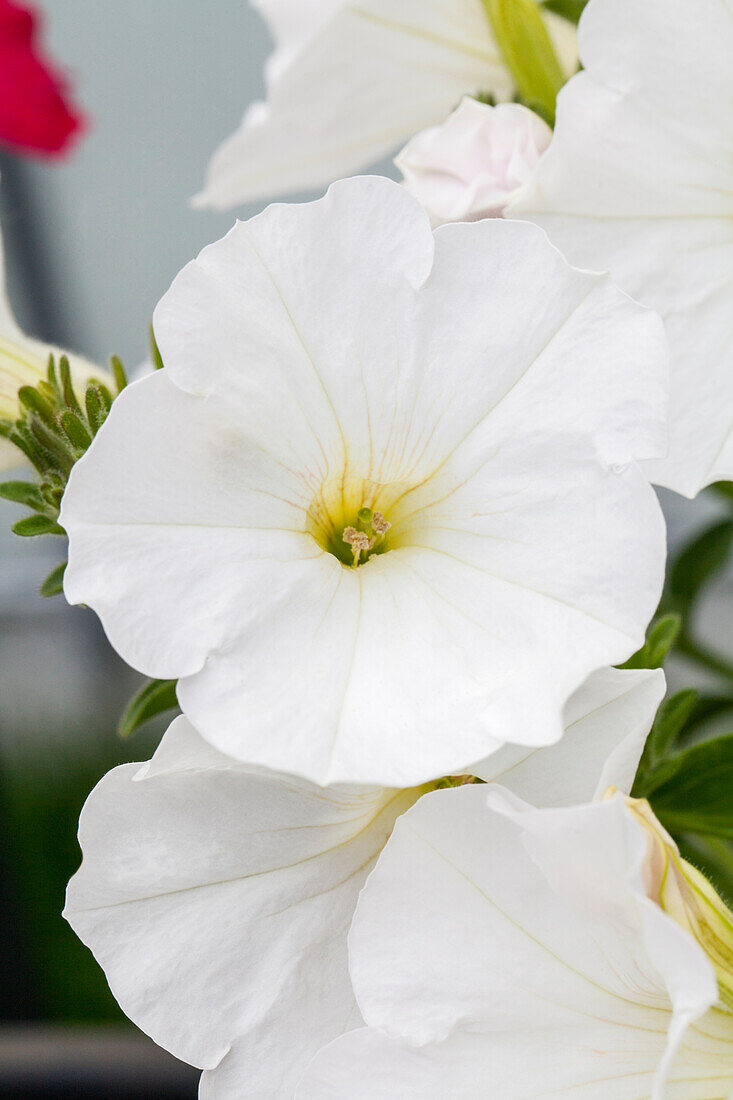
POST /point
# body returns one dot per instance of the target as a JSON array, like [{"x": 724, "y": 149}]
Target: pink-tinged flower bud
[{"x": 477, "y": 162}]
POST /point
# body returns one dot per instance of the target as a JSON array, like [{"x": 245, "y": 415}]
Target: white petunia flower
[
  {"x": 23, "y": 362},
  {"x": 479, "y": 160},
  {"x": 380, "y": 512},
  {"x": 350, "y": 80},
  {"x": 507, "y": 951},
  {"x": 218, "y": 898},
  {"x": 639, "y": 180}
]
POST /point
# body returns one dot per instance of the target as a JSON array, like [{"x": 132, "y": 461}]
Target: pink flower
[{"x": 35, "y": 114}]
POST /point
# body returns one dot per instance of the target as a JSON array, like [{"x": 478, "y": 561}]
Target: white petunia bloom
[
  {"x": 479, "y": 160},
  {"x": 218, "y": 898},
  {"x": 23, "y": 362},
  {"x": 639, "y": 180},
  {"x": 501, "y": 950},
  {"x": 350, "y": 81},
  {"x": 380, "y": 512}
]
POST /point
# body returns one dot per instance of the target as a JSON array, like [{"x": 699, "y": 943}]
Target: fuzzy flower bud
[{"x": 687, "y": 897}]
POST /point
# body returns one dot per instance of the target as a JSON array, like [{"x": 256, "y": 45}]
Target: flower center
[
  {"x": 347, "y": 521},
  {"x": 367, "y": 538}
]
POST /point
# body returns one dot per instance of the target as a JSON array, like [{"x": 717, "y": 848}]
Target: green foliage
[
  {"x": 53, "y": 430},
  {"x": 670, "y": 720},
  {"x": 569, "y": 9},
  {"x": 689, "y": 788},
  {"x": 691, "y": 791},
  {"x": 41, "y": 796},
  {"x": 660, "y": 638},
  {"x": 699, "y": 562},
  {"x": 156, "y": 697},
  {"x": 54, "y": 582}
]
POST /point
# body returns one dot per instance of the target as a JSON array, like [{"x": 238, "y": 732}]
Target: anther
[
  {"x": 380, "y": 525},
  {"x": 358, "y": 541}
]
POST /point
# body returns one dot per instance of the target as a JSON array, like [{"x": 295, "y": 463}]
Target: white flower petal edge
[
  {"x": 503, "y": 950},
  {"x": 23, "y": 362},
  {"x": 639, "y": 180},
  {"x": 477, "y": 162},
  {"x": 606, "y": 724},
  {"x": 487, "y": 398},
  {"x": 350, "y": 81},
  {"x": 218, "y": 898}
]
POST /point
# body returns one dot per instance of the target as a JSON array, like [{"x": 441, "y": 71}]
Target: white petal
[
  {"x": 496, "y": 399},
  {"x": 345, "y": 91},
  {"x": 514, "y": 946},
  {"x": 218, "y": 900},
  {"x": 606, "y": 724},
  {"x": 638, "y": 180}
]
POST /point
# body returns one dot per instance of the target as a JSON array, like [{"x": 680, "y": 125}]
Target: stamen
[
  {"x": 380, "y": 525},
  {"x": 358, "y": 541}
]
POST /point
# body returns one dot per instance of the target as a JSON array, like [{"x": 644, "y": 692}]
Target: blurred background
[{"x": 92, "y": 242}]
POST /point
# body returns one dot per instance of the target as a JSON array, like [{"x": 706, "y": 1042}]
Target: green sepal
[
  {"x": 31, "y": 398},
  {"x": 54, "y": 449},
  {"x": 75, "y": 429},
  {"x": 67, "y": 386},
  {"x": 155, "y": 351},
  {"x": 95, "y": 407},
  {"x": 712, "y": 855},
  {"x": 660, "y": 639},
  {"x": 528, "y": 52},
  {"x": 54, "y": 582},
  {"x": 118, "y": 372},
  {"x": 156, "y": 697},
  {"x": 22, "y": 492},
  {"x": 568, "y": 9},
  {"x": 37, "y": 525}
]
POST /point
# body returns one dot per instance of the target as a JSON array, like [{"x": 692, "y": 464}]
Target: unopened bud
[
  {"x": 529, "y": 55},
  {"x": 687, "y": 897}
]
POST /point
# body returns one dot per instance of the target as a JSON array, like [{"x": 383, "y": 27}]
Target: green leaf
[
  {"x": 22, "y": 492},
  {"x": 693, "y": 790},
  {"x": 699, "y": 562},
  {"x": 707, "y": 707},
  {"x": 725, "y": 488},
  {"x": 660, "y": 639},
  {"x": 54, "y": 582},
  {"x": 671, "y": 719},
  {"x": 37, "y": 525},
  {"x": 569, "y": 9},
  {"x": 156, "y": 697}
]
